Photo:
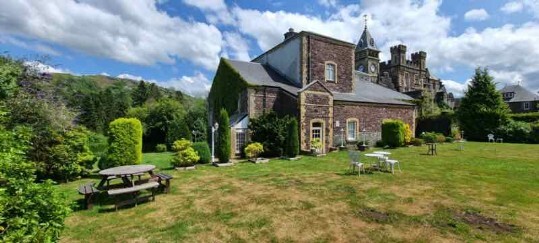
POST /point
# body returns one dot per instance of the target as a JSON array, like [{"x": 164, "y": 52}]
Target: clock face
[
  {"x": 373, "y": 68},
  {"x": 361, "y": 68}
]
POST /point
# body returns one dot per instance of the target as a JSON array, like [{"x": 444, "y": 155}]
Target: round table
[
  {"x": 123, "y": 172},
  {"x": 381, "y": 152},
  {"x": 376, "y": 155},
  {"x": 126, "y": 170}
]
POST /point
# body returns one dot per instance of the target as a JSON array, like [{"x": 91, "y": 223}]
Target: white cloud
[
  {"x": 105, "y": 74},
  {"x": 236, "y": 46},
  {"x": 512, "y": 7},
  {"x": 216, "y": 11},
  {"x": 196, "y": 85},
  {"x": 530, "y": 6},
  {"x": 328, "y": 3},
  {"x": 457, "y": 88},
  {"x": 44, "y": 68},
  {"x": 128, "y": 31},
  {"x": 130, "y": 76},
  {"x": 476, "y": 15}
]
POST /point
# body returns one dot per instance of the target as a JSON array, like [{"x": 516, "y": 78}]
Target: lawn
[{"x": 488, "y": 192}]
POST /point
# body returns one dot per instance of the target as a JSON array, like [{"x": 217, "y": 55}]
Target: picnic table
[{"x": 126, "y": 173}]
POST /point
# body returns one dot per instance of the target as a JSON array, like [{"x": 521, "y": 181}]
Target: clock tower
[{"x": 367, "y": 54}]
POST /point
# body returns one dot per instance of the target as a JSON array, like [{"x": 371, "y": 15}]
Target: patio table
[
  {"x": 124, "y": 172},
  {"x": 375, "y": 155},
  {"x": 382, "y": 152}
]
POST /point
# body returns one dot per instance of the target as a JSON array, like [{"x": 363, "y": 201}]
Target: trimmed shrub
[
  {"x": 449, "y": 139},
  {"x": 125, "y": 143},
  {"x": 161, "y": 148},
  {"x": 417, "y": 142},
  {"x": 407, "y": 133},
  {"x": 253, "y": 150},
  {"x": 393, "y": 133},
  {"x": 440, "y": 138},
  {"x": 292, "y": 139},
  {"x": 223, "y": 138},
  {"x": 203, "y": 151},
  {"x": 185, "y": 154},
  {"x": 525, "y": 117},
  {"x": 534, "y": 134}
]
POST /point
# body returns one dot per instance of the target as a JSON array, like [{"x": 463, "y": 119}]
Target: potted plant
[
  {"x": 253, "y": 150},
  {"x": 316, "y": 146},
  {"x": 362, "y": 146}
]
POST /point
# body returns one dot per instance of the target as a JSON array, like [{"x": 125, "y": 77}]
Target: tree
[
  {"x": 10, "y": 72},
  {"x": 140, "y": 94},
  {"x": 125, "y": 143},
  {"x": 292, "y": 139},
  {"x": 427, "y": 107},
  {"x": 482, "y": 109},
  {"x": 223, "y": 137},
  {"x": 270, "y": 130},
  {"x": 177, "y": 130}
]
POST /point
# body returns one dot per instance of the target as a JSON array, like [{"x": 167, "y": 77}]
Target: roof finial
[{"x": 365, "y": 17}]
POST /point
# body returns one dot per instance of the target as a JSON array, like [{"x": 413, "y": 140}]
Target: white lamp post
[
  {"x": 363, "y": 136},
  {"x": 213, "y": 130},
  {"x": 194, "y": 134},
  {"x": 342, "y": 136}
]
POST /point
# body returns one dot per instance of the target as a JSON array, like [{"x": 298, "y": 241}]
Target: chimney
[{"x": 289, "y": 34}]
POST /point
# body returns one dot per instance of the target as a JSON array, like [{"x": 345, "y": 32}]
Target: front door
[{"x": 317, "y": 132}]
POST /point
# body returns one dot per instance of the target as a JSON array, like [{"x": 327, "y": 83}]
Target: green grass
[{"x": 316, "y": 200}]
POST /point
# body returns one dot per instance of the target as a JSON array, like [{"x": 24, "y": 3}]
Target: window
[
  {"x": 351, "y": 130},
  {"x": 241, "y": 139},
  {"x": 330, "y": 72},
  {"x": 526, "y": 105}
]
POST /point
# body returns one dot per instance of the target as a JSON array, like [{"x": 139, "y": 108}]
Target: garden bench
[
  {"x": 133, "y": 191},
  {"x": 88, "y": 190},
  {"x": 166, "y": 178}
]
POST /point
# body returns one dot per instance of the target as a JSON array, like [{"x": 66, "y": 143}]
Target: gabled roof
[
  {"x": 262, "y": 75},
  {"x": 520, "y": 93},
  {"x": 368, "y": 92}
]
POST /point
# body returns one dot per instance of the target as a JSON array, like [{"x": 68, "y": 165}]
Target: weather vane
[{"x": 365, "y": 17}]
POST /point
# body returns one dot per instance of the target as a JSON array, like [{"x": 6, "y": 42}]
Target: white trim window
[
  {"x": 241, "y": 139},
  {"x": 351, "y": 130},
  {"x": 526, "y": 106},
  {"x": 330, "y": 72}
]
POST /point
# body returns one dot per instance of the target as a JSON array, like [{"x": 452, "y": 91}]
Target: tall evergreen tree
[
  {"x": 223, "y": 137},
  {"x": 292, "y": 139},
  {"x": 482, "y": 109},
  {"x": 140, "y": 94}
]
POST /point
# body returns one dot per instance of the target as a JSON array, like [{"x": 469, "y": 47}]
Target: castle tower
[
  {"x": 367, "y": 54},
  {"x": 398, "y": 54}
]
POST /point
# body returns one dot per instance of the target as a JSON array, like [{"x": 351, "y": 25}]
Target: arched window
[{"x": 330, "y": 72}]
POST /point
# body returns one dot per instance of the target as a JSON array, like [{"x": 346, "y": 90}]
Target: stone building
[
  {"x": 314, "y": 78},
  {"x": 411, "y": 77},
  {"x": 520, "y": 99}
]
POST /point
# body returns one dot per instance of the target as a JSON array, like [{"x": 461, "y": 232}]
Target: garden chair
[
  {"x": 491, "y": 138},
  {"x": 354, "y": 162},
  {"x": 391, "y": 163}
]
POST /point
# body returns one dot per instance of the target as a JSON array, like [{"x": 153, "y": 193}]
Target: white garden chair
[
  {"x": 391, "y": 163},
  {"x": 491, "y": 138},
  {"x": 354, "y": 162}
]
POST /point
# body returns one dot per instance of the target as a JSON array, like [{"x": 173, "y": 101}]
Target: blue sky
[{"x": 178, "y": 43}]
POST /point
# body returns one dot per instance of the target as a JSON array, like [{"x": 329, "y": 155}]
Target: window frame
[
  {"x": 330, "y": 63},
  {"x": 526, "y": 106},
  {"x": 348, "y": 121}
]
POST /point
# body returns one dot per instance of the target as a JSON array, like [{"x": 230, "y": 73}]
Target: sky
[{"x": 178, "y": 43}]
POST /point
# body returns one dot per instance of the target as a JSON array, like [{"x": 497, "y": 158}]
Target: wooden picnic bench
[
  {"x": 88, "y": 190},
  {"x": 164, "y": 177},
  {"x": 134, "y": 192}
]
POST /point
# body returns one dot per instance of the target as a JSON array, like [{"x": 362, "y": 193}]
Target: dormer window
[
  {"x": 508, "y": 95},
  {"x": 331, "y": 75},
  {"x": 526, "y": 106}
]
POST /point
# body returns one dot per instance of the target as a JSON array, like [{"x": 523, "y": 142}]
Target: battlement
[{"x": 398, "y": 48}]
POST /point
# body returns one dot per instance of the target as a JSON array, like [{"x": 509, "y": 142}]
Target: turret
[
  {"x": 398, "y": 54},
  {"x": 420, "y": 59}
]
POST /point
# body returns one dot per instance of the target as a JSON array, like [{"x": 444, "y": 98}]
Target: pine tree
[
  {"x": 140, "y": 94},
  {"x": 223, "y": 137},
  {"x": 292, "y": 139},
  {"x": 482, "y": 109}
]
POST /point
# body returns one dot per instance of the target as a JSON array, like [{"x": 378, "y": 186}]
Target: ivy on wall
[{"x": 226, "y": 88}]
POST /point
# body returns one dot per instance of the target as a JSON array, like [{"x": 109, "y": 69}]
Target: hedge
[
  {"x": 439, "y": 124},
  {"x": 125, "y": 143},
  {"x": 393, "y": 132},
  {"x": 525, "y": 117},
  {"x": 203, "y": 151}
]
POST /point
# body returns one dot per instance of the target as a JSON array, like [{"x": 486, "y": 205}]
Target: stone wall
[
  {"x": 370, "y": 116},
  {"x": 324, "y": 50},
  {"x": 266, "y": 99},
  {"x": 316, "y": 106}
]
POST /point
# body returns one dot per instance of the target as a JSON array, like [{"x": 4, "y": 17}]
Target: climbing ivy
[{"x": 226, "y": 89}]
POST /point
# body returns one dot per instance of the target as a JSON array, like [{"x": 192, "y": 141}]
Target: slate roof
[
  {"x": 366, "y": 41},
  {"x": 263, "y": 75},
  {"x": 521, "y": 94},
  {"x": 373, "y": 93}
]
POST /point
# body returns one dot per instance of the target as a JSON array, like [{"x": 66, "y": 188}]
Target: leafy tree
[
  {"x": 270, "y": 130},
  {"x": 223, "y": 137},
  {"x": 427, "y": 107},
  {"x": 10, "y": 72},
  {"x": 482, "y": 109},
  {"x": 292, "y": 139},
  {"x": 29, "y": 211},
  {"x": 177, "y": 130},
  {"x": 140, "y": 94}
]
